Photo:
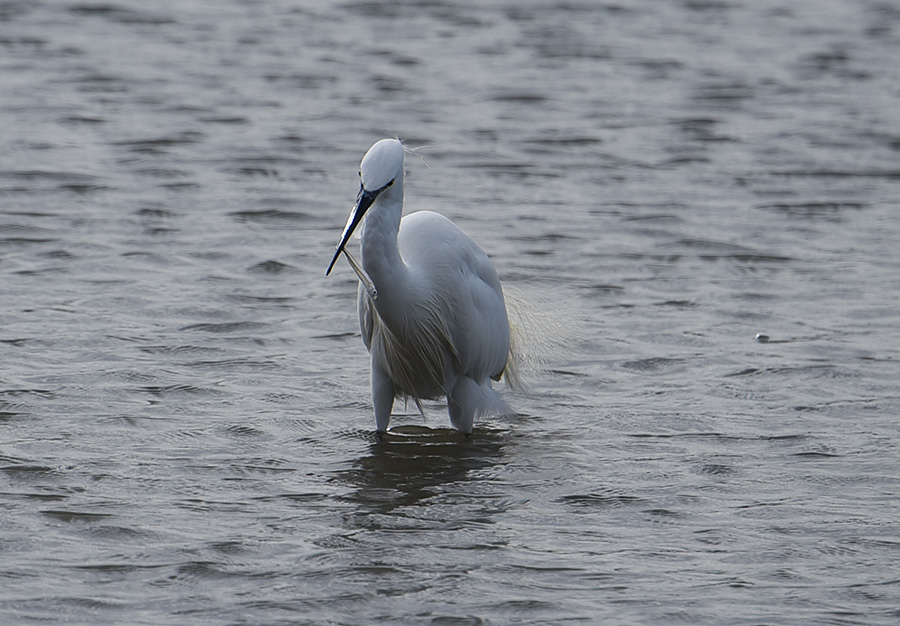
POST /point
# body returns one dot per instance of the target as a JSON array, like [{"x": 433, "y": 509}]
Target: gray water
[{"x": 186, "y": 433}]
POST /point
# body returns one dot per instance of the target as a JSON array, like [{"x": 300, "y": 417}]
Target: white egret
[{"x": 430, "y": 304}]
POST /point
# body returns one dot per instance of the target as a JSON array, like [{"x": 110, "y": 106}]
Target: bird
[{"x": 430, "y": 303}]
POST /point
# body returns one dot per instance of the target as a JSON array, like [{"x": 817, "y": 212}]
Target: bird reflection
[{"x": 412, "y": 464}]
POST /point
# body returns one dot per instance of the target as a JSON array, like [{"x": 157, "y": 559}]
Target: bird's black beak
[{"x": 363, "y": 201}]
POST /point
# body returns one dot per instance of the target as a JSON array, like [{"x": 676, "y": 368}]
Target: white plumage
[{"x": 437, "y": 326}]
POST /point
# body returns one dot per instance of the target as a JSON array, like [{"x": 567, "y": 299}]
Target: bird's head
[
  {"x": 380, "y": 170},
  {"x": 382, "y": 165}
]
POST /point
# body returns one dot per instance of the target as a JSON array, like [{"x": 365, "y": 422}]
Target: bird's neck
[{"x": 380, "y": 256}]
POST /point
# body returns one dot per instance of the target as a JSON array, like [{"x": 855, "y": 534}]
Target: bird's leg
[
  {"x": 461, "y": 405},
  {"x": 363, "y": 277},
  {"x": 382, "y": 396}
]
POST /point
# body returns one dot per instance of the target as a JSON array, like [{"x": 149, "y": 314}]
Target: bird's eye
[{"x": 360, "y": 173}]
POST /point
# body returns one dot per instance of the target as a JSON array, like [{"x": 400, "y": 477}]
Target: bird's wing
[
  {"x": 463, "y": 279},
  {"x": 488, "y": 327}
]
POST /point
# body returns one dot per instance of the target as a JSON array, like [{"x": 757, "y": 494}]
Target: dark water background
[{"x": 185, "y": 425}]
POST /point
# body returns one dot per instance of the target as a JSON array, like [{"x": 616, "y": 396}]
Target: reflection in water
[
  {"x": 418, "y": 490},
  {"x": 411, "y": 466}
]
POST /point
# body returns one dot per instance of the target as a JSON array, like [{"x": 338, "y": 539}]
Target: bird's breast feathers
[{"x": 417, "y": 352}]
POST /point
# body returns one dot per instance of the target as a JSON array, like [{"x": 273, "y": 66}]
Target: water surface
[{"x": 185, "y": 425}]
